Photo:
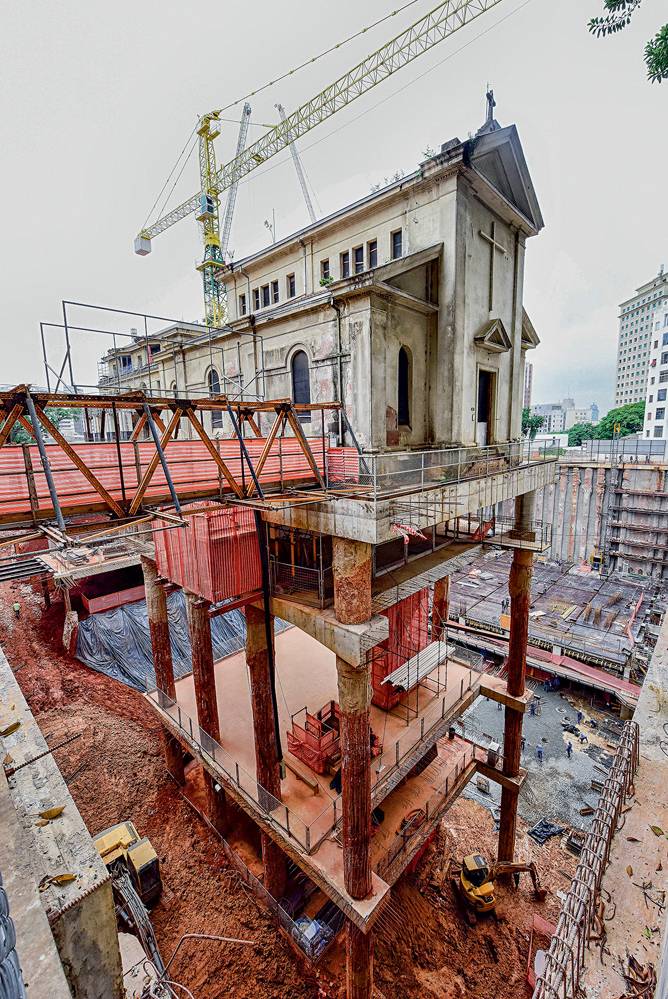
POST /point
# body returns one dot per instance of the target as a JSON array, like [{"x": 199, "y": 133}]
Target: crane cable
[{"x": 313, "y": 59}]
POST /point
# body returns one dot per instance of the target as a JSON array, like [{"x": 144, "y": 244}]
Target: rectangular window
[
  {"x": 658, "y": 431},
  {"x": 660, "y": 413},
  {"x": 324, "y": 270},
  {"x": 345, "y": 264},
  {"x": 664, "y": 340},
  {"x": 395, "y": 244},
  {"x": 242, "y": 305},
  {"x": 661, "y": 395},
  {"x": 663, "y": 376},
  {"x": 265, "y": 295},
  {"x": 664, "y": 357},
  {"x": 274, "y": 291},
  {"x": 651, "y": 398},
  {"x": 256, "y": 298},
  {"x": 372, "y": 253},
  {"x": 290, "y": 285},
  {"x": 358, "y": 259}
]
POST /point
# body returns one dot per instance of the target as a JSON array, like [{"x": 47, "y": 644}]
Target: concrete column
[
  {"x": 158, "y": 626},
  {"x": 354, "y": 702},
  {"x": 266, "y": 748},
  {"x": 359, "y": 963},
  {"x": 205, "y": 697},
  {"x": 352, "y": 580},
  {"x": 440, "y": 608},
  {"x": 519, "y": 586}
]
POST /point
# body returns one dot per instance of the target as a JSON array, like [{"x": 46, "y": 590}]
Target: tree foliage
[
  {"x": 579, "y": 433},
  {"x": 531, "y": 424},
  {"x": 630, "y": 419},
  {"x": 56, "y": 414},
  {"x": 619, "y": 17}
]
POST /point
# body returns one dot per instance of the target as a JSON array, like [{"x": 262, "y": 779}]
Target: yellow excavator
[
  {"x": 123, "y": 850},
  {"x": 474, "y": 881}
]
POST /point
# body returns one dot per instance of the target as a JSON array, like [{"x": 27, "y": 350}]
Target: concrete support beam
[
  {"x": 267, "y": 763},
  {"x": 354, "y": 702},
  {"x": 204, "y": 679},
  {"x": 440, "y": 608},
  {"x": 359, "y": 963},
  {"x": 351, "y": 566},
  {"x": 519, "y": 586},
  {"x": 158, "y": 625}
]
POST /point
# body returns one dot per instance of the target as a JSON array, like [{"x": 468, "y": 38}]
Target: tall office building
[
  {"x": 528, "y": 384},
  {"x": 656, "y": 405},
  {"x": 636, "y": 319}
]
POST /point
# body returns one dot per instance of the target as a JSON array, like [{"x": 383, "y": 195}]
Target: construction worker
[
  {"x": 569, "y": 749},
  {"x": 532, "y": 708},
  {"x": 17, "y": 609},
  {"x": 580, "y": 717},
  {"x": 539, "y": 753},
  {"x": 523, "y": 743}
]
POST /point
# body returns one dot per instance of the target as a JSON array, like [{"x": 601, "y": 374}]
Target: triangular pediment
[
  {"x": 493, "y": 337},
  {"x": 530, "y": 338},
  {"x": 498, "y": 157}
]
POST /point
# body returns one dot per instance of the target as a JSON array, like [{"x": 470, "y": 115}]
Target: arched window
[
  {"x": 301, "y": 382},
  {"x": 213, "y": 381},
  {"x": 404, "y": 388}
]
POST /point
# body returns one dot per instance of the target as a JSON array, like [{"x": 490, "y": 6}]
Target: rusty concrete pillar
[
  {"x": 359, "y": 963},
  {"x": 440, "y": 608},
  {"x": 158, "y": 626},
  {"x": 354, "y": 702},
  {"x": 519, "y": 587},
  {"x": 204, "y": 678},
  {"x": 267, "y": 763},
  {"x": 351, "y": 566}
]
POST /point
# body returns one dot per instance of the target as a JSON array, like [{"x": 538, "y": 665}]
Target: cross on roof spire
[{"x": 491, "y": 104}]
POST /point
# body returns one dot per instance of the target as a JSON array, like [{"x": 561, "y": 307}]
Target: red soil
[{"x": 424, "y": 947}]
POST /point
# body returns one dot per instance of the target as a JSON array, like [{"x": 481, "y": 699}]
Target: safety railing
[
  {"x": 565, "y": 958},
  {"x": 307, "y": 835},
  {"x": 405, "y": 838},
  {"x": 407, "y": 471},
  {"x": 389, "y": 768},
  {"x": 309, "y": 585}
]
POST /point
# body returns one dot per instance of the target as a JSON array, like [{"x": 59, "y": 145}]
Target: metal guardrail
[
  {"x": 309, "y": 585},
  {"x": 565, "y": 959},
  {"x": 409, "y": 471}
]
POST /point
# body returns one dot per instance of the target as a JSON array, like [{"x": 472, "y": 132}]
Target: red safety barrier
[
  {"x": 193, "y": 471},
  {"x": 409, "y": 634},
  {"x": 216, "y": 556}
]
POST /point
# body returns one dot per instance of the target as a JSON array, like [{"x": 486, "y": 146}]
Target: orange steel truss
[{"x": 55, "y": 477}]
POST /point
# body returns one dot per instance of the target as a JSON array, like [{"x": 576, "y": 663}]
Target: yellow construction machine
[
  {"x": 474, "y": 881},
  {"x": 123, "y": 850}
]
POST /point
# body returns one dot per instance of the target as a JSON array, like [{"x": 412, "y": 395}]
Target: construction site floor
[
  {"x": 557, "y": 787},
  {"x": 115, "y": 770}
]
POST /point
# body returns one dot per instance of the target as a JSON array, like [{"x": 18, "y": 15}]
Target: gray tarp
[{"x": 117, "y": 642}]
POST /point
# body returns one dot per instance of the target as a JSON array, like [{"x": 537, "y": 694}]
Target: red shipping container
[
  {"x": 215, "y": 556},
  {"x": 409, "y": 634}
]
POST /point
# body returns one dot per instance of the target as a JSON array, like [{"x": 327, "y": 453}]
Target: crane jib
[{"x": 440, "y": 23}]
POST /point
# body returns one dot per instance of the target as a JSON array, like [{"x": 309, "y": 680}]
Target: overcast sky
[{"x": 97, "y": 99}]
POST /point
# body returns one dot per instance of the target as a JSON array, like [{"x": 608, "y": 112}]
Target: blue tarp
[{"x": 117, "y": 642}]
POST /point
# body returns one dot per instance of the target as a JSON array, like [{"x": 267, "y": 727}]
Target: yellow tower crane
[{"x": 438, "y": 24}]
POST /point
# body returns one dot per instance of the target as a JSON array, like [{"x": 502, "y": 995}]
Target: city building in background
[
  {"x": 561, "y": 416},
  {"x": 657, "y": 378},
  {"x": 636, "y": 321},
  {"x": 528, "y": 384}
]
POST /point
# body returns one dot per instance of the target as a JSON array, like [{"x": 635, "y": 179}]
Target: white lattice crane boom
[
  {"x": 232, "y": 193},
  {"x": 299, "y": 169}
]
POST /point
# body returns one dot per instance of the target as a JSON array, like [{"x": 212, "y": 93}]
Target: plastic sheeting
[{"x": 118, "y": 643}]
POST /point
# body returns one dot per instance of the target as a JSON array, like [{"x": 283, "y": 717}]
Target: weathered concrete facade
[{"x": 423, "y": 278}]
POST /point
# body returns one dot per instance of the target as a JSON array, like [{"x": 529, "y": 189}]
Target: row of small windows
[{"x": 269, "y": 294}]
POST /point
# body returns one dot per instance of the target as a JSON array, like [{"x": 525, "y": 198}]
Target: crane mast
[
  {"x": 232, "y": 193},
  {"x": 299, "y": 169},
  {"x": 441, "y": 22}
]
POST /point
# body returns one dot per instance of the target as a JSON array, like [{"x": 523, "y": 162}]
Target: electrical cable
[
  {"x": 314, "y": 59},
  {"x": 185, "y": 146}
]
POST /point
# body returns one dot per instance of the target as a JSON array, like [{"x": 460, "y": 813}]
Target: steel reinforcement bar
[{"x": 565, "y": 959}]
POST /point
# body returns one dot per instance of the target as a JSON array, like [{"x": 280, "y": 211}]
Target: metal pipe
[
  {"x": 37, "y": 430},
  {"x": 161, "y": 455}
]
